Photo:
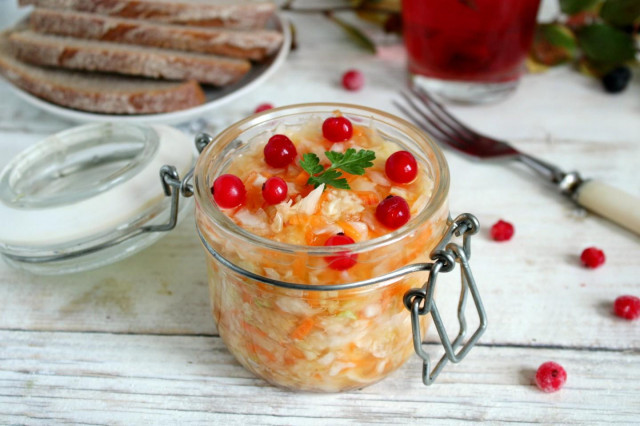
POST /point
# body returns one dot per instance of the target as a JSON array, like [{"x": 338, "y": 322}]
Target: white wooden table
[{"x": 135, "y": 342}]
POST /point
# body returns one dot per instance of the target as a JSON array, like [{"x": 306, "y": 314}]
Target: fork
[{"x": 598, "y": 197}]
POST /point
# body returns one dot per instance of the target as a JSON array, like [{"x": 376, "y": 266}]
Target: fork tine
[
  {"x": 447, "y": 136},
  {"x": 427, "y": 127},
  {"x": 443, "y": 113},
  {"x": 445, "y": 117}
]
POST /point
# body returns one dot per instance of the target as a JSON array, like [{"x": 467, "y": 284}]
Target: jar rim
[{"x": 437, "y": 200}]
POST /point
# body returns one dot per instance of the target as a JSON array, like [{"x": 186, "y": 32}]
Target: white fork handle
[{"x": 616, "y": 205}]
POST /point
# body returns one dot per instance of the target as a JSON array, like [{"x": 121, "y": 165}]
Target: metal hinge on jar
[{"x": 420, "y": 301}]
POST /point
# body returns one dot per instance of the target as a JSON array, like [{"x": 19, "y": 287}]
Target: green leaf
[
  {"x": 310, "y": 163},
  {"x": 351, "y": 161},
  {"x": 329, "y": 178},
  {"x": 553, "y": 44},
  {"x": 358, "y": 36},
  {"x": 620, "y": 12},
  {"x": 605, "y": 44},
  {"x": 571, "y": 7},
  {"x": 559, "y": 36}
]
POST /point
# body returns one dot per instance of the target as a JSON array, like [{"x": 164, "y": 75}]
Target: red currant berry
[
  {"x": 337, "y": 129},
  {"x": 393, "y": 212},
  {"x": 592, "y": 257},
  {"x": 343, "y": 260},
  {"x": 502, "y": 231},
  {"x": 279, "y": 151},
  {"x": 401, "y": 167},
  {"x": 550, "y": 377},
  {"x": 263, "y": 107},
  {"x": 627, "y": 307},
  {"x": 274, "y": 190},
  {"x": 353, "y": 80},
  {"x": 228, "y": 191}
]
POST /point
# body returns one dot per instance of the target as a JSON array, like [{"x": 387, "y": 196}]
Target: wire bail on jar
[{"x": 419, "y": 301}]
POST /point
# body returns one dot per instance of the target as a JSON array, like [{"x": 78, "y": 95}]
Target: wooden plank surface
[
  {"x": 134, "y": 342},
  {"x": 125, "y": 379}
]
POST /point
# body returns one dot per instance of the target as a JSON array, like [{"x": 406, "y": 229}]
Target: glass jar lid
[{"x": 73, "y": 201}]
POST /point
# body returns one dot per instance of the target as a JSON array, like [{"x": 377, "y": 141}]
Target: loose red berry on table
[
  {"x": 337, "y": 129},
  {"x": 274, "y": 190},
  {"x": 279, "y": 151},
  {"x": 627, "y": 307},
  {"x": 502, "y": 231},
  {"x": 228, "y": 191},
  {"x": 343, "y": 260},
  {"x": 401, "y": 167},
  {"x": 353, "y": 80},
  {"x": 263, "y": 107},
  {"x": 393, "y": 212},
  {"x": 550, "y": 377},
  {"x": 592, "y": 257}
]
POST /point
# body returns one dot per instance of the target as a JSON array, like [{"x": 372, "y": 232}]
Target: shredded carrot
[
  {"x": 297, "y": 219},
  {"x": 302, "y": 178},
  {"x": 369, "y": 198},
  {"x": 252, "y": 329},
  {"x": 246, "y": 298},
  {"x": 299, "y": 267},
  {"x": 260, "y": 351},
  {"x": 251, "y": 177},
  {"x": 303, "y": 329},
  {"x": 349, "y": 230},
  {"x": 313, "y": 298},
  {"x": 292, "y": 354}
]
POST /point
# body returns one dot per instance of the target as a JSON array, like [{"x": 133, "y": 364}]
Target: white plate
[{"x": 216, "y": 97}]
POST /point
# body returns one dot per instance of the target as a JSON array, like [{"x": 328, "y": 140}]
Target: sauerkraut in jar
[{"x": 318, "y": 195}]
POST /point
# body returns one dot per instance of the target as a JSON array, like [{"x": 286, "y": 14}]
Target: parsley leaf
[
  {"x": 311, "y": 164},
  {"x": 352, "y": 162}
]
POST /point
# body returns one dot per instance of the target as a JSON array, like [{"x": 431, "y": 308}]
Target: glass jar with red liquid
[{"x": 468, "y": 51}]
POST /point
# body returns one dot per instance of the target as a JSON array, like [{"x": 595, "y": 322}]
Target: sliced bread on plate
[
  {"x": 229, "y": 13},
  {"x": 253, "y": 45},
  {"x": 109, "y": 94},
  {"x": 88, "y": 55}
]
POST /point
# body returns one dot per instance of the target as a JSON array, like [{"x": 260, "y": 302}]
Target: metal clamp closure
[
  {"x": 173, "y": 187},
  {"x": 420, "y": 301}
]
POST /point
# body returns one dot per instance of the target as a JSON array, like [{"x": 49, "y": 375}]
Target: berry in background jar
[
  {"x": 279, "y": 151},
  {"x": 401, "y": 167},
  {"x": 592, "y": 257},
  {"x": 550, "y": 377},
  {"x": 337, "y": 129},
  {"x": 228, "y": 191},
  {"x": 353, "y": 80},
  {"x": 502, "y": 231},
  {"x": 627, "y": 307}
]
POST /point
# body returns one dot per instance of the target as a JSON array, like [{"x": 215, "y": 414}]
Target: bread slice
[
  {"x": 66, "y": 52},
  {"x": 255, "y": 45},
  {"x": 98, "y": 93},
  {"x": 226, "y": 13}
]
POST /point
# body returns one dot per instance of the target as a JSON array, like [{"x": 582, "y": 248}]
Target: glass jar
[
  {"x": 88, "y": 196},
  {"x": 319, "y": 331}
]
